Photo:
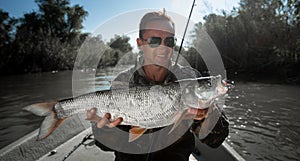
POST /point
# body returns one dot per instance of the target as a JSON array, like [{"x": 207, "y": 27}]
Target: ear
[{"x": 139, "y": 42}]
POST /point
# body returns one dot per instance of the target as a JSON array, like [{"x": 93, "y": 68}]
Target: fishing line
[
  {"x": 87, "y": 137},
  {"x": 181, "y": 44},
  {"x": 152, "y": 140},
  {"x": 187, "y": 24}
]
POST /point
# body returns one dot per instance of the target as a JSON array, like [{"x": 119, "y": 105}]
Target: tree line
[
  {"x": 49, "y": 39},
  {"x": 258, "y": 38}
]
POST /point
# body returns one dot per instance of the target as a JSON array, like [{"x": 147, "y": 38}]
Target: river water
[
  {"x": 264, "y": 118},
  {"x": 265, "y": 122}
]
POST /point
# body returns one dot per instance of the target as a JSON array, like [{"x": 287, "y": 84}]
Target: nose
[{"x": 163, "y": 47}]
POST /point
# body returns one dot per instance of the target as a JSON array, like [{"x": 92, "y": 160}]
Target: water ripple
[{"x": 264, "y": 120}]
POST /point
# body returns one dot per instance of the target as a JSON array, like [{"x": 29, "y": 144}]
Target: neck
[{"x": 155, "y": 72}]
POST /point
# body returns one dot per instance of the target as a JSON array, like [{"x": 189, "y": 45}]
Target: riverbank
[{"x": 264, "y": 78}]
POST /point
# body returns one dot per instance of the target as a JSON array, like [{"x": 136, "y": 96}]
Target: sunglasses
[{"x": 156, "y": 41}]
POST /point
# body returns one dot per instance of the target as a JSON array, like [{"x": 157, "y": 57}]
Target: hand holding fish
[
  {"x": 196, "y": 114},
  {"x": 135, "y": 131},
  {"x": 104, "y": 121}
]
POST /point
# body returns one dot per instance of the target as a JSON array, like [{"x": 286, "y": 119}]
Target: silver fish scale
[
  {"x": 141, "y": 106},
  {"x": 146, "y": 106}
]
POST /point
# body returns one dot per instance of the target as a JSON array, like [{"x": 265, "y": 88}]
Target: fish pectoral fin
[
  {"x": 178, "y": 118},
  {"x": 135, "y": 132}
]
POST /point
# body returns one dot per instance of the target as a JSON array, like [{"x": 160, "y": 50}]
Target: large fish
[{"x": 141, "y": 106}]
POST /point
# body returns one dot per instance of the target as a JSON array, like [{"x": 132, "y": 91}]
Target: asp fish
[{"x": 140, "y": 106}]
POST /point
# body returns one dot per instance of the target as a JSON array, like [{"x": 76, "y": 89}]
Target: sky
[{"x": 103, "y": 12}]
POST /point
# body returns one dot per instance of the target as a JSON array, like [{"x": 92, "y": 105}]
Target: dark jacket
[{"x": 180, "y": 143}]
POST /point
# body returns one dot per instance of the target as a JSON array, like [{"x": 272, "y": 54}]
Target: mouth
[
  {"x": 162, "y": 56},
  {"x": 162, "y": 59}
]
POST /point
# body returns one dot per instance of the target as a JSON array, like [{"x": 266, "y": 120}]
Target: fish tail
[{"x": 51, "y": 121}]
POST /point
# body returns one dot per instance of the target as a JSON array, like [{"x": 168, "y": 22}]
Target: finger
[
  {"x": 115, "y": 123},
  {"x": 198, "y": 114},
  {"x": 193, "y": 111},
  {"x": 108, "y": 116},
  {"x": 92, "y": 110},
  {"x": 91, "y": 115},
  {"x": 104, "y": 120},
  {"x": 201, "y": 115},
  {"x": 202, "y": 111}
]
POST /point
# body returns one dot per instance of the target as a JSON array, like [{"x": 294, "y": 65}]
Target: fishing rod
[
  {"x": 87, "y": 137},
  {"x": 187, "y": 24}
]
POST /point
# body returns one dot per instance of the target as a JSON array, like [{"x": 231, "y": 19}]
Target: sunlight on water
[{"x": 264, "y": 121}]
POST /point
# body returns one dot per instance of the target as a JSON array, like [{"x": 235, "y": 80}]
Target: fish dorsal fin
[{"x": 135, "y": 132}]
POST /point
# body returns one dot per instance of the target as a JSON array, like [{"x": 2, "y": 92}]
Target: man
[{"x": 154, "y": 67}]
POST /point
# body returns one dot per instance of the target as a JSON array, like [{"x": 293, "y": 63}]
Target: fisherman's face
[{"x": 159, "y": 54}]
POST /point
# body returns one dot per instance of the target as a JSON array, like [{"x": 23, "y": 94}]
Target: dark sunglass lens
[
  {"x": 170, "y": 41},
  {"x": 154, "y": 42}
]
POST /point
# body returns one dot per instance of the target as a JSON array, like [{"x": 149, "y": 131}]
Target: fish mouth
[
  {"x": 203, "y": 104},
  {"x": 200, "y": 104}
]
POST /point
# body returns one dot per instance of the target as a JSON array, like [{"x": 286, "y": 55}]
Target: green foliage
[
  {"x": 96, "y": 52},
  {"x": 6, "y": 36},
  {"x": 43, "y": 40},
  {"x": 259, "y": 37},
  {"x": 119, "y": 46},
  {"x": 6, "y": 27},
  {"x": 50, "y": 38},
  {"x": 60, "y": 19},
  {"x": 91, "y": 51},
  {"x": 121, "y": 43},
  {"x": 195, "y": 60}
]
